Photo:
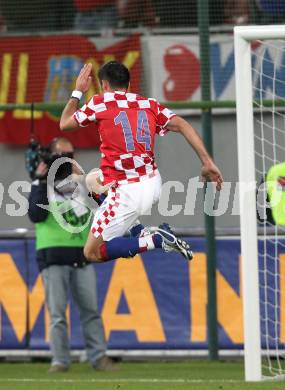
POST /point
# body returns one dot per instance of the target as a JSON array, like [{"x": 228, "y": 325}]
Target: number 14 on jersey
[{"x": 142, "y": 132}]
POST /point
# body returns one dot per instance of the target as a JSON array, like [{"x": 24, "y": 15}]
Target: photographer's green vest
[
  {"x": 67, "y": 225},
  {"x": 275, "y": 182}
]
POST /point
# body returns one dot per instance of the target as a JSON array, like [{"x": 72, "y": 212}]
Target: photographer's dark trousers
[{"x": 58, "y": 281}]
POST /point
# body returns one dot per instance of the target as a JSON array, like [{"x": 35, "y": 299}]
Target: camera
[{"x": 36, "y": 153}]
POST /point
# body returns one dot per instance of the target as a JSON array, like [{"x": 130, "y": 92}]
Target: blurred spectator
[
  {"x": 237, "y": 12},
  {"x": 37, "y": 15},
  {"x": 134, "y": 13},
  {"x": 216, "y": 12},
  {"x": 95, "y": 14},
  {"x": 270, "y": 11},
  {"x": 179, "y": 13},
  {"x": 3, "y": 26},
  {"x": 183, "y": 13}
]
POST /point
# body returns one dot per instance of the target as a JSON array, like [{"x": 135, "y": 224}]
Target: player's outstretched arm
[
  {"x": 83, "y": 82},
  {"x": 67, "y": 122},
  {"x": 210, "y": 171}
]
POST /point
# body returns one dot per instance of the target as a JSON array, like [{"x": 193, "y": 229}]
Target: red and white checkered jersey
[{"x": 127, "y": 125}]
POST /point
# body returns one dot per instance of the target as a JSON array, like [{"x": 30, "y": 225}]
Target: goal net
[{"x": 260, "y": 84}]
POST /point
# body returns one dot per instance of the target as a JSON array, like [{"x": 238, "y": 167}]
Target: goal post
[{"x": 243, "y": 38}]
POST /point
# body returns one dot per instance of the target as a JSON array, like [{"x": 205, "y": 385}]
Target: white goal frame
[{"x": 243, "y": 35}]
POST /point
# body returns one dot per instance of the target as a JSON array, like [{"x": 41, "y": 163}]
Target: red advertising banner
[{"x": 44, "y": 69}]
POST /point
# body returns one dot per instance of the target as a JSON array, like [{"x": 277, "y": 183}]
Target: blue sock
[
  {"x": 99, "y": 199},
  {"x": 135, "y": 230},
  {"x": 129, "y": 246},
  {"x": 120, "y": 247},
  {"x": 157, "y": 240}
]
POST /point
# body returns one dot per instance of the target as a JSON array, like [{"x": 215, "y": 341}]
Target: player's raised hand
[
  {"x": 210, "y": 172},
  {"x": 84, "y": 79}
]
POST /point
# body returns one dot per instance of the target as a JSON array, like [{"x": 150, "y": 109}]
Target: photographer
[{"x": 61, "y": 260}]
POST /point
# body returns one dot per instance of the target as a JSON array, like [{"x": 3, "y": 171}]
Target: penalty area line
[{"x": 116, "y": 380}]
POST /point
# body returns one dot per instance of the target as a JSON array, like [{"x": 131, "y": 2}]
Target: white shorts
[{"x": 124, "y": 205}]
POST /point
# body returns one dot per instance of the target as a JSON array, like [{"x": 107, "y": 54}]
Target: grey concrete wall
[{"x": 176, "y": 160}]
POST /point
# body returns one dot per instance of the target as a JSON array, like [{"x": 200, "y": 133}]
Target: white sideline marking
[{"x": 115, "y": 380}]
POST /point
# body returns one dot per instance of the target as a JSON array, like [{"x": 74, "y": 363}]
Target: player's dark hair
[{"x": 115, "y": 73}]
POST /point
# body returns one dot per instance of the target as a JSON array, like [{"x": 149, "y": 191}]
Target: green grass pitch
[{"x": 192, "y": 375}]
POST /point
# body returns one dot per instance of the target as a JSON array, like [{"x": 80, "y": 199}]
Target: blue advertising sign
[{"x": 155, "y": 301}]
